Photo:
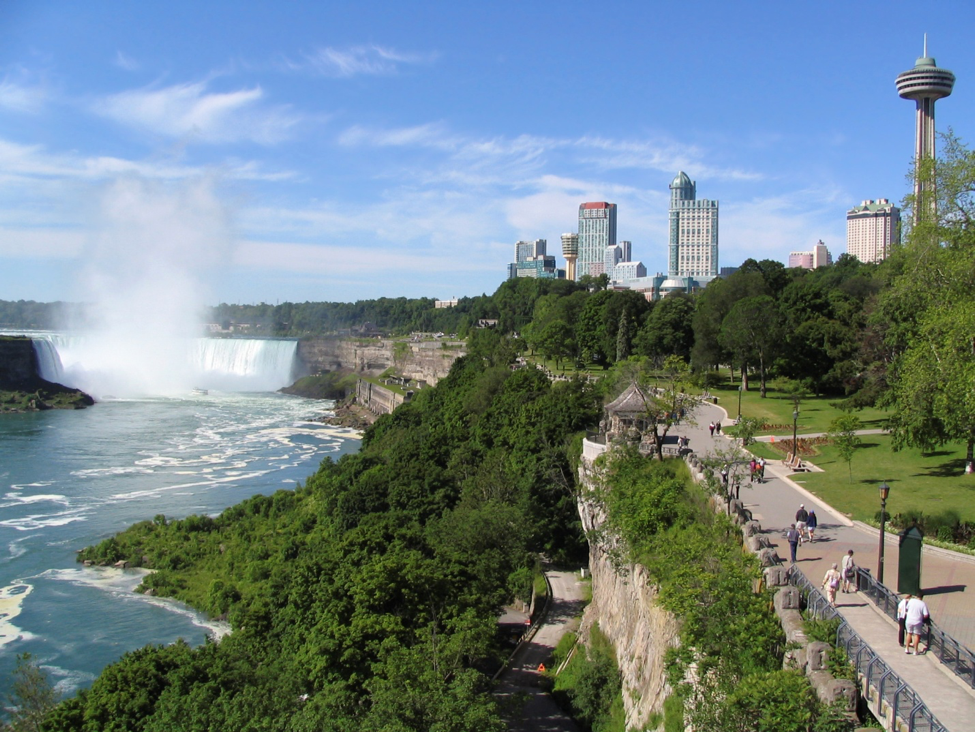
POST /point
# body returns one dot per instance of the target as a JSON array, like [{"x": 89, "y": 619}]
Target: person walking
[
  {"x": 917, "y": 616},
  {"x": 711, "y": 428},
  {"x": 902, "y": 618},
  {"x": 761, "y": 470},
  {"x": 831, "y": 583},
  {"x": 849, "y": 572},
  {"x": 717, "y": 427},
  {"x": 792, "y": 536},
  {"x": 802, "y": 517},
  {"x": 811, "y": 523}
]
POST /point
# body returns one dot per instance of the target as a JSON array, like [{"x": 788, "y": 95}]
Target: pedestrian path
[{"x": 948, "y": 579}]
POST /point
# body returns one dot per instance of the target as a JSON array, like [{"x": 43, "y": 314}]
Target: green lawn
[
  {"x": 932, "y": 484},
  {"x": 815, "y": 413}
]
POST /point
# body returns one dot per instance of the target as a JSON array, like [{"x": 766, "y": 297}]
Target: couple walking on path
[
  {"x": 913, "y": 618},
  {"x": 846, "y": 576}
]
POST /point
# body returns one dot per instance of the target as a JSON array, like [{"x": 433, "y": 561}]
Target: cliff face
[
  {"x": 426, "y": 360},
  {"x": 18, "y": 364},
  {"x": 21, "y": 387},
  {"x": 624, "y": 605}
]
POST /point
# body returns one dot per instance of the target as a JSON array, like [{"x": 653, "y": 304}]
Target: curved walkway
[
  {"x": 520, "y": 680},
  {"x": 948, "y": 578}
]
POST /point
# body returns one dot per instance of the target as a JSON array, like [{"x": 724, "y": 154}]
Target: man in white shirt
[{"x": 917, "y": 615}]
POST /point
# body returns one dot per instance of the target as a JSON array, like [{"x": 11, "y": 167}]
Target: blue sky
[{"x": 253, "y": 151}]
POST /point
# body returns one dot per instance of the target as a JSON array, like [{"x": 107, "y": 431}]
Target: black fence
[
  {"x": 880, "y": 682},
  {"x": 949, "y": 651}
]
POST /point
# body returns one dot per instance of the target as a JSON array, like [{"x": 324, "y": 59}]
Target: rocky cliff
[
  {"x": 22, "y": 389},
  {"x": 426, "y": 360},
  {"x": 624, "y": 605}
]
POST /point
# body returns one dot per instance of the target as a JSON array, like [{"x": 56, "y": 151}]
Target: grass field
[
  {"x": 932, "y": 484},
  {"x": 815, "y": 413}
]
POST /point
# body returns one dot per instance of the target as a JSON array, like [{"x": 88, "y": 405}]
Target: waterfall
[
  {"x": 244, "y": 364},
  {"x": 48, "y": 361},
  {"x": 160, "y": 366}
]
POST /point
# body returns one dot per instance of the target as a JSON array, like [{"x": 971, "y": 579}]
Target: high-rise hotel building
[
  {"x": 597, "y": 230},
  {"x": 871, "y": 229},
  {"x": 693, "y": 231}
]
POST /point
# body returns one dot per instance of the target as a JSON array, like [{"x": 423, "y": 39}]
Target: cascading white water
[
  {"x": 224, "y": 364},
  {"x": 249, "y": 364},
  {"x": 48, "y": 361}
]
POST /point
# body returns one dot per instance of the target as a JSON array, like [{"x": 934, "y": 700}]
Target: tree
[
  {"x": 931, "y": 306},
  {"x": 31, "y": 696},
  {"x": 752, "y": 330},
  {"x": 668, "y": 331},
  {"x": 843, "y": 434}
]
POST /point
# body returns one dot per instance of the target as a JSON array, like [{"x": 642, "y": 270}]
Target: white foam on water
[
  {"x": 19, "y": 499},
  {"x": 11, "y": 604},
  {"x": 41, "y": 521},
  {"x": 68, "y": 681},
  {"x": 123, "y": 582},
  {"x": 155, "y": 492}
]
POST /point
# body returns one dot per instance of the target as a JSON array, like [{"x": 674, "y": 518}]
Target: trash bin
[{"x": 715, "y": 399}]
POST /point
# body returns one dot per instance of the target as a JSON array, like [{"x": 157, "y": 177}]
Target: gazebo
[{"x": 626, "y": 416}]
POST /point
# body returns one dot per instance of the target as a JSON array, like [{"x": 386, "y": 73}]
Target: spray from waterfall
[{"x": 145, "y": 280}]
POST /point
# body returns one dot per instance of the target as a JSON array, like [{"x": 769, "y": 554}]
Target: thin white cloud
[
  {"x": 531, "y": 151},
  {"x": 345, "y": 261},
  {"x": 189, "y": 111},
  {"x": 17, "y": 96},
  {"x": 22, "y": 164},
  {"x": 431, "y": 135},
  {"x": 124, "y": 61},
  {"x": 360, "y": 60}
]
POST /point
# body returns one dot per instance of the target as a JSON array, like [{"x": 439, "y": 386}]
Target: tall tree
[
  {"x": 753, "y": 331},
  {"x": 931, "y": 302}
]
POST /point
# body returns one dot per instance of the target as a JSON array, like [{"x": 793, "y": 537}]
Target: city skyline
[{"x": 315, "y": 153}]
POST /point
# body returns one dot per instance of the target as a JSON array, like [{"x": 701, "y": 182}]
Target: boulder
[
  {"x": 768, "y": 557},
  {"x": 776, "y": 576},
  {"x": 788, "y": 598},
  {"x": 751, "y": 528},
  {"x": 817, "y": 655}
]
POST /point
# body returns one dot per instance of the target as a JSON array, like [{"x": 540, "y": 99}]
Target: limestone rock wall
[
  {"x": 18, "y": 364},
  {"x": 426, "y": 360},
  {"x": 624, "y": 605}
]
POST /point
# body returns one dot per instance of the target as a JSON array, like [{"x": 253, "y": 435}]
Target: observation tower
[
  {"x": 925, "y": 84},
  {"x": 570, "y": 250}
]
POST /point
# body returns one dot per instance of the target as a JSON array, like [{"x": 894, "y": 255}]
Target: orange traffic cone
[
  {"x": 773, "y": 438},
  {"x": 541, "y": 668}
]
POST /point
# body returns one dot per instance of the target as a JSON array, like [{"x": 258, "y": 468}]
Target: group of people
[
  {"x": 757, "y": 468},
  {"x": 714, "y": 428},
  {"x": 912, "y": 618},
  {"x": 804, "y": 529},
  {"x": 836, "y": 576}
]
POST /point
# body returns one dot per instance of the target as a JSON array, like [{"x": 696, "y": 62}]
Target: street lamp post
[
  {"x": 795, "y": 426},
  {"x": 739, "y": 405},
  {"x": 884, "y": 492}
]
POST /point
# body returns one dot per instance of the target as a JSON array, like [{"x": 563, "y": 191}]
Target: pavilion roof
[{"x": 633, "y": 400}]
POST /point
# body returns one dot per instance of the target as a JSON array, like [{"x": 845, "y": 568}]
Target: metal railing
[
  {"x": 950, "y": 652},
  {"x": 877, "y": 677}
]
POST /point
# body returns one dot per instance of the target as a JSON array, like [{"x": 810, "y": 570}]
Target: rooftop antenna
[{"x": 925, "y": 45}]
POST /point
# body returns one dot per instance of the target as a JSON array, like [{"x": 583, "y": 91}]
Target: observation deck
[{"x": 925, "y": 81}]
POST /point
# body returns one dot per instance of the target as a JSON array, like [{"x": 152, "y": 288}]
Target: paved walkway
[
  {"x": 948, "y": 578},
  {"x": 520, "y": 681}
]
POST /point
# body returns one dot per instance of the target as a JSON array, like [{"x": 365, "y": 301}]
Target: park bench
[{"x": 794, "y": 462}]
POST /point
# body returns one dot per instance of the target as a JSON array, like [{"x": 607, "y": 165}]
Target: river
[{"x": 72, "y": 478}]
